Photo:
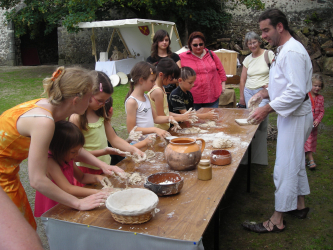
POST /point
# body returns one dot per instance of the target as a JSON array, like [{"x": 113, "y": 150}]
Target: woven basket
[
  {"x": 132, "y": 206},
  {"x": 126, "y": 219}
]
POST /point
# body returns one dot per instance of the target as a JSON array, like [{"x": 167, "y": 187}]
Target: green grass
[
  {"x": 16, "y": 88},
  {"x": 328, "y": 117},
  {"x": 23, "y": 85}
]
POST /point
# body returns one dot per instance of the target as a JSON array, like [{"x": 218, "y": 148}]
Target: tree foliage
[{"x": 36, "y": 16}]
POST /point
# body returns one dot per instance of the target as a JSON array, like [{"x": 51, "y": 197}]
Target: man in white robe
[{"x": 289, "y": 82}]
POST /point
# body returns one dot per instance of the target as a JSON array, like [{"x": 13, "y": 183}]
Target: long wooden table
[{"x": 182, "y": 218}]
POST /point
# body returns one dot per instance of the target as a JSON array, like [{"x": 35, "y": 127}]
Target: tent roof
[
  {"x": 123, "y": 22},
  {"x": 135, "y": 40}
]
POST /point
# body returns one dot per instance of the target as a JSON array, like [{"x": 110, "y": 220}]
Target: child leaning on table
[
  {"x": 181, "y": 98},
  {"x": 137, "y": 105},
  {"x": 97, "y": 129},
  {"x": 317, "y": 105},
  {"x": 167, "y": 72},
  {"x": 61, "y": 168},
  {"x": 109, "y": 110}
]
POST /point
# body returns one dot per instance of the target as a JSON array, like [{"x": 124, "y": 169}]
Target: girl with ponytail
[
  {"x": 137, "y": 105},
  {"x": 26, "y": 131}
]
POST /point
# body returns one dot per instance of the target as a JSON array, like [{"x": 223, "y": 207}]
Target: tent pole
[
  {"x": 152, "y": 33},
  {"x": 177, "y": 35},
  {"x": 93, "y": 44},
  {"x": 171, "y": 32},
  {"x": 122, "y": 39},
  {"x": 111, "y": 39}
]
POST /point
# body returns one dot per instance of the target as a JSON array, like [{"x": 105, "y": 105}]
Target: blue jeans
[{"x": 215, "y": 104}]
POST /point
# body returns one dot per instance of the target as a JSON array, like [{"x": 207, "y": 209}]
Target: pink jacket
[{"x": 210, "y": 74}]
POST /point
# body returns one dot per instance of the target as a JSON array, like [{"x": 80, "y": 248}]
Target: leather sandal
[
  {"x": 300, "y": 214},
  {"x": 260, "y": 228}
]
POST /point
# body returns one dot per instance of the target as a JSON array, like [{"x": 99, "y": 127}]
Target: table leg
[
  {"x": 249, "y": 168},
  {"x": 216, "y": 220}
]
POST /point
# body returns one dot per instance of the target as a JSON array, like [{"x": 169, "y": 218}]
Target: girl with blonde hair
[{"x": 26, "y": 131}]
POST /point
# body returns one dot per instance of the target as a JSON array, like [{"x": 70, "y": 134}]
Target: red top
[
  {"x": 210, "y": 75},
  {"x": 43, "y": 203}
]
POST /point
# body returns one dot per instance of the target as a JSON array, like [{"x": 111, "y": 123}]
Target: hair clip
[
  {"x": 132, "y": 80},
  {"x": 151, "y": 71},
  {"x": 56, "y": 74},
  {"x": 100, "y": 87}
]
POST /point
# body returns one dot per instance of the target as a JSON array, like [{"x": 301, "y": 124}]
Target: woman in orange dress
[{"x": 26, "y": 131}]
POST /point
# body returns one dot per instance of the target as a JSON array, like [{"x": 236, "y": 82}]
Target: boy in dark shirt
[{"x": 181, "y": 98}]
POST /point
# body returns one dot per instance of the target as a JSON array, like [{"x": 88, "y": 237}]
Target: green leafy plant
[
  {"x": 36, "y": 16},
  {"x": 313, "y": 18}
]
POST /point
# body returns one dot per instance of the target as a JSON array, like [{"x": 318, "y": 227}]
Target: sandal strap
[{"x": 268, "y": 227}]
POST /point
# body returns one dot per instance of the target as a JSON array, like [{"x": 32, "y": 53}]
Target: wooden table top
[{"x": 186, "y": 215}]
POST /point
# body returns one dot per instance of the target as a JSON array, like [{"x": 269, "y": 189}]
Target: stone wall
[
  {"x": 283, "y": 5},
  {"x": 7, "y": 42},
  {"x": 76, "y": 48},
  {"x": 313, "y": 24}
]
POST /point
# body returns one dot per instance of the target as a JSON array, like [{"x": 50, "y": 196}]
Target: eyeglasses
[
  {"x": 252, "y": 44},
  {"x": 99, "y": 102},
  {"x": 196, "y": 45}
]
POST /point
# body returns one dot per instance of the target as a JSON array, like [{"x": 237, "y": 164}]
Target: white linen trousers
[{"x": 290, "y": 176}]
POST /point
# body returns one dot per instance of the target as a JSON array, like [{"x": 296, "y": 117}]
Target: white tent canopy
[{"x": 135, "y": 40}]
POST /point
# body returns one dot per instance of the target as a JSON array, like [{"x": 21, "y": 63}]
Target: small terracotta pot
[
  {"x": 220, "y": 157},
  {"x": 164, "y": 183},
  {"x": 183, "y": 153}
]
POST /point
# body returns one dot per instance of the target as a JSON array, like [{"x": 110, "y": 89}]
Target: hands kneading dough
[
  {"x": 252, "y": 105},
  {"x": 175, "y": 124},
  {"x": 134, "y": 135},
  {"x": 193, "y": 116}
]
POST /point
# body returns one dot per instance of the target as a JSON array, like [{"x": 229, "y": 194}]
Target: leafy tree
[{"x": 37, "y": 16}]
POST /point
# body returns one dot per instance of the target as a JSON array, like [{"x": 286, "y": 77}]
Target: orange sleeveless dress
[{"x": 14, "y": 148}]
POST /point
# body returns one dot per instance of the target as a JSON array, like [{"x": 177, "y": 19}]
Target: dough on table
[
  {"x": 192, "y": 130},
  {"x": 222, "y": 143},
  {"x": 208, "y": 124}
]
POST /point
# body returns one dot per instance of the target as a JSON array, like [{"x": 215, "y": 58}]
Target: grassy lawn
[{"x": 21, "y": 84}]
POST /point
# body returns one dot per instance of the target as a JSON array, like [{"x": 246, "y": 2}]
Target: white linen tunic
[{"x": 289, "y": 82}]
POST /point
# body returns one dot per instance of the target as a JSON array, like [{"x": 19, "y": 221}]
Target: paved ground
[{"x": 31, "y": 197}]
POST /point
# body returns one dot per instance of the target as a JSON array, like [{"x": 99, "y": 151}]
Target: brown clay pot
[
  {"x": 220, "y": 157},
  {"x": 183, "y": 153}
]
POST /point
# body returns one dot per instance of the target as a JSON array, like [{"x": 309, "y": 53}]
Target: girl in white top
[{"x": 137, "y": 105}]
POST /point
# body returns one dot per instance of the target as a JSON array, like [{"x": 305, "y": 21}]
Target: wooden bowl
[
  {"x": 220, "y": 157},
  {"x": 164, "y": 183}
]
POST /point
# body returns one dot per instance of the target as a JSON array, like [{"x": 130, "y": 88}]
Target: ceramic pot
[
  {"x": 184, "y": 153},
  {"x": 220, "y": 157},
  {"x": 164, "y": 183}
]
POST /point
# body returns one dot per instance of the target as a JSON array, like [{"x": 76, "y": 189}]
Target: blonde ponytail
[{"x": 67, "y": 83}]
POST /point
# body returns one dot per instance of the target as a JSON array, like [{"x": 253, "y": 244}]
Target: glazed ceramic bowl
[
  {"x": 164, "y": 183},
  {"x": 220, "y": 157}
]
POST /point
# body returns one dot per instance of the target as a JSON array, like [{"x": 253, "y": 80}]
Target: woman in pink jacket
[{"x": 211, "y": 77}]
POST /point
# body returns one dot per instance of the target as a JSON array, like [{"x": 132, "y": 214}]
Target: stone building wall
[
  {"x": 283, "y": 5},
  {"x": 7, "y": 41},
  {"x": 311, "y": 19}
]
